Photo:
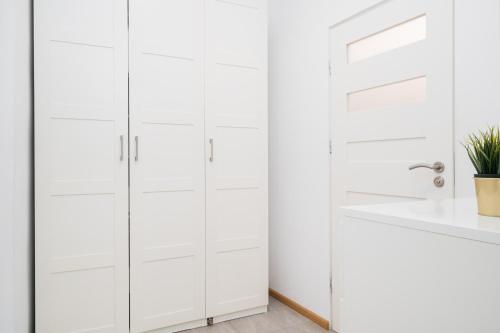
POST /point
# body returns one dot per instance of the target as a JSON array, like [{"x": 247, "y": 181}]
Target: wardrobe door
[
  {"x": 167, "y": 193},
  {"x": 81, "y": 169},
  {"x": 236, "y": 129}
]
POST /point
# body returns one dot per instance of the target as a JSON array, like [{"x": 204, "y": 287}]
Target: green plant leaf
[{"x": 483, "y": 150}]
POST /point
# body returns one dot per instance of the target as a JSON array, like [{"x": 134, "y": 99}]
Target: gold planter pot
[{"x": 488, "y": 195}]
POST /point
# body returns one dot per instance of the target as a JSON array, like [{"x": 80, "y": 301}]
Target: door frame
[{"x": 334, "y": 289}]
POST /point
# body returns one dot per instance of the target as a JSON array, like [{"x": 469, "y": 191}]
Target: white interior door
[
  {"x": 236, "y": 129},
  {"x": 167, "y": 166},
  {"x": 81, "y": 169},
  {"x": 392, "y": 106}
]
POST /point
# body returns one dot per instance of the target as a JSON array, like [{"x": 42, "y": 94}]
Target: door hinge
[
  {"x": 330, "y": 70},
  {"x": 330, "y": 147},
  {"x": 210, "y": 321},
  {"x": 331, "y": 285}
]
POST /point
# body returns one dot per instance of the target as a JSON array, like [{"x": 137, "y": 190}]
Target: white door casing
[
  {"x": 236, "y": 121},
  {"x": 81, "y": 171},
  {"x": 167, "y": 180},
  {"x": 392, "y": 106}
]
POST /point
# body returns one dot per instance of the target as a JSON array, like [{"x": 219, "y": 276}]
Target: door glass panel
[
  {"x": 396, "y": 94},
  {"x": 389, "y": 39}
]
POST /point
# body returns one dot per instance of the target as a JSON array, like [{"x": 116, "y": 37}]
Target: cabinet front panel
[
  {"x": 167, "y": 167},
  {"x": 236, "y": 122},
  {"x": 81, "y": 171}
]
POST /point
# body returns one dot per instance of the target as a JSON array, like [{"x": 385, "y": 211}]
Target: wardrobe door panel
[
  {"x": 81, "y": 172},
  {"x": 236, "y": 129},
  {"x": 167, "y": 175}
]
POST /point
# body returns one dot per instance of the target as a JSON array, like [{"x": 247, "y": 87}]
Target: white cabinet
[
  {"x": 180, "y": 221},
  {"x": 167, "y": 165},
  {"x": 236, "y": 122},
  {"x": 429, "y": 266},
  {"x": 81, "y": 169}
]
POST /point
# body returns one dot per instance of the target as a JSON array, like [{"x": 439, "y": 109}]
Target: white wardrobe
[{"x": 150, "y": 163}]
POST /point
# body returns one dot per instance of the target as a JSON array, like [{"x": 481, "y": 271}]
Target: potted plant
[{"x": 484, "y": 152}]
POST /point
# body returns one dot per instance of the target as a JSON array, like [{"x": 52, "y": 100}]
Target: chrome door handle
[
  {"x": 211, "y": 158},
  {"x": 438, "y": 167},
  {"x": 136, "y": 148},
  {"x": 121, "y": 147}
]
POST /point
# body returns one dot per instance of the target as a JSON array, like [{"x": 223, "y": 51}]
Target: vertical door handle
[
  {"x": 211, "y": 159},
  {"x": 136, "y": 148},
  {"x": 121, "y": 147}
]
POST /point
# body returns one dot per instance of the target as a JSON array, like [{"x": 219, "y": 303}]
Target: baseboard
[{"x": 300, "y": 309}]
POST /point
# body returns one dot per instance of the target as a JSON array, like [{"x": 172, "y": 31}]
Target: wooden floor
[{"x": 278, "y": 319}]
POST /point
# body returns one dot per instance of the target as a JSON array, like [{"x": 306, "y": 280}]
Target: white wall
[
  {"x": 299, "y": 157},
  {"x": 298, "y": 152},
  {"x": 477, "y": 78},
  {"x": 299, "y": 116},
  {"x": 15, "y": 167}
]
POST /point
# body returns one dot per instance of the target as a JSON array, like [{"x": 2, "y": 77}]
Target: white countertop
[{"x": 454, "y": 217}]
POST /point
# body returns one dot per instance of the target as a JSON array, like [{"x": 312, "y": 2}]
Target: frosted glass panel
[
  {"x": 392, "y": 38},
  {"x": 390, "y": 95}
]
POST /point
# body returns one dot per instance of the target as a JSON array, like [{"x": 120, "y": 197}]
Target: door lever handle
[{"x": 437, "y": 166}]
